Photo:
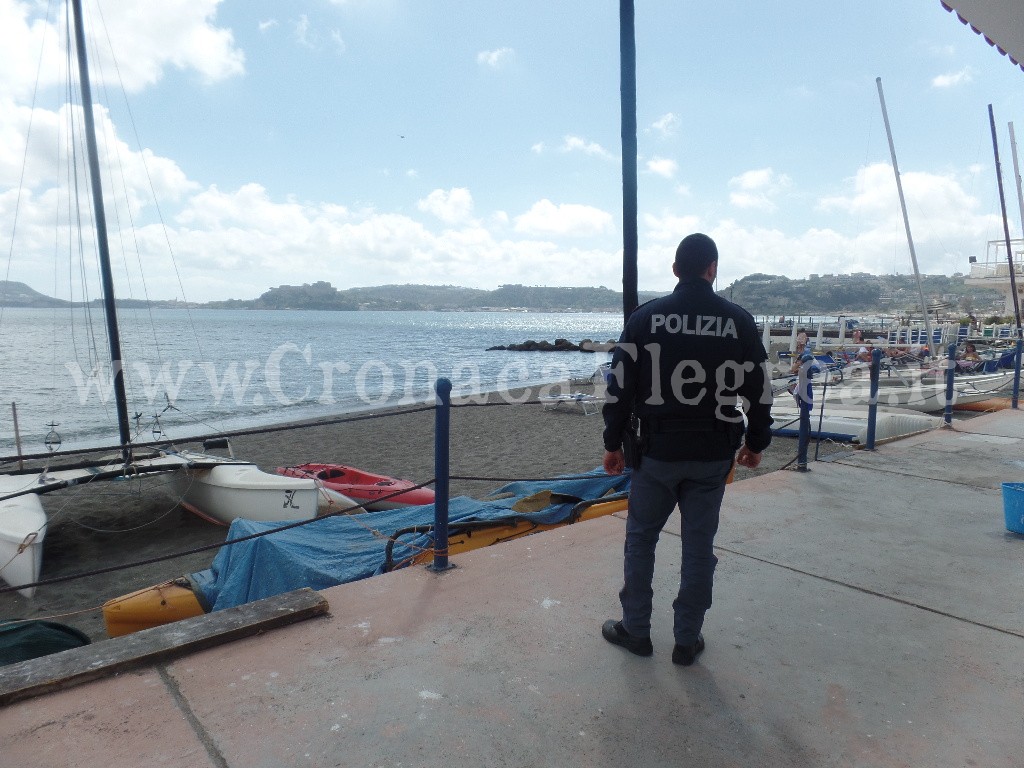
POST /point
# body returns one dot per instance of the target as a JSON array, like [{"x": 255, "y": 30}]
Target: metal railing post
[
  {"x": 876, "y": 366},
  {"x": 947, "y": 414},
  {"x": 442, "y": 420},
  {"x": 1016, "y": 372}
]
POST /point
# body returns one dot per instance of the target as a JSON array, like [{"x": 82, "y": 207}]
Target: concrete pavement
[{"x": 867, "y": 613}]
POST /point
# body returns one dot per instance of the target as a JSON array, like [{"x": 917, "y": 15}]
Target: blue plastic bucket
[{"x": 1013, "y": 506}]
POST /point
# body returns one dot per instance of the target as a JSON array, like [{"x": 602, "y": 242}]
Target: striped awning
[{"x": 1000, "y": 22}]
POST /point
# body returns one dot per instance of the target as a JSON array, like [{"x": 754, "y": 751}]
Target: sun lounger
[{"x": 589, "y": 404}]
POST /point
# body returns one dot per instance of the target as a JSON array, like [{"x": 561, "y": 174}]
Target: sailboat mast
[
  {"x": 1006, "y": 225},
  {"x": 906, "y": 219},
  {"x": 113, "y": 335}
]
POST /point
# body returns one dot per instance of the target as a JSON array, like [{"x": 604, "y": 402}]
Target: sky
[{"x": 366, "y": 142}]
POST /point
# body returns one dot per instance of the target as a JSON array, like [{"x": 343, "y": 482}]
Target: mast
[
  {"x": 110, "y": 311},
  {"x": 627, "y": 91},
  {"x": 1002, "y": 205},
  {"x": 906, "y": 220}
]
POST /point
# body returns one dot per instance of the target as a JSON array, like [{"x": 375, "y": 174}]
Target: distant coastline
[{"x": 859, "y": 293}]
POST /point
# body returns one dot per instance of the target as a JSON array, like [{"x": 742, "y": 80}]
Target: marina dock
[{"x": 867, "y": 613}]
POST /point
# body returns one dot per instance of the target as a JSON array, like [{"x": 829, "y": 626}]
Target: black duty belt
[{"x": 669, "y": 425}]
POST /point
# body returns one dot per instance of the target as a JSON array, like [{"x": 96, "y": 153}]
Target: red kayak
[{"x": 362, "y": 486}]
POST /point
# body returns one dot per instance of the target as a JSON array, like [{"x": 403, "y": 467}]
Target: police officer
[{"x": 684, "y": 367}]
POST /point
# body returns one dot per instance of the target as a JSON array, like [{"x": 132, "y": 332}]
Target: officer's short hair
[{"x": 695, "y": 254}]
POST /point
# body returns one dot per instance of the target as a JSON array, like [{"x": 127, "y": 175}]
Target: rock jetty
[{"x": 559, "y": 345}]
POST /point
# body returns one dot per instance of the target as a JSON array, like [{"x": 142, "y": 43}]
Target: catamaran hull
[
  {"x": 925, "y": 395},
  {"x": 221, "y": 494},
  {"x": 22, "y": 530},
  {"x": 852, "y": 425}
]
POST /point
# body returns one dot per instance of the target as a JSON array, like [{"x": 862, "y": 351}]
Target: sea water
[{"x": 200, "y": 371}]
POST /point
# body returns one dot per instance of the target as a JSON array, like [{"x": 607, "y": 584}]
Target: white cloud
[
  {"x": 757, "y": 189},
  {"x": 268, "y": 24},
  {"x": 666, "y": 125},
  {"x": 497, "y": 58},
  {"x": 662, "y": 166},
  {"x": 538, "y": 148},
  {"x": 339, "y": 41},
  {"x": 567, "y": 219},
  {"x": 953, "y": 79},
  {"x": 451, "y": 207},
  {"x": 144, "y": 39},
  {"x": 300, "y": 28},
  {"x": 578, "y": 144}
]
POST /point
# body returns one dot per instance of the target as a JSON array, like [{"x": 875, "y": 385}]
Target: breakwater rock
[{"x": 559, "y": 345}]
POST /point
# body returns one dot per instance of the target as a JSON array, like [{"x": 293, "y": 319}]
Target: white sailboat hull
[
  {"x": 22, "y": 530},
  {"x": 919, "y": 394},
  {"x": 852, "y": 424},
  {"x": 229, "y": 491}
]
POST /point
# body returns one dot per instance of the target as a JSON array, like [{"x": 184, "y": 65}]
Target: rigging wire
[
  {"x": 155, "y": 199},
  {"x": 24, "y": 159}
]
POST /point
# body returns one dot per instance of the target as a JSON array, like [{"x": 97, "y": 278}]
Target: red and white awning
[{"x": 1000, "y": 22}]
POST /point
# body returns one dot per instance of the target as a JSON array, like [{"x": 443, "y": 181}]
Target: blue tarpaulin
[{"x": 337, "y": 550}]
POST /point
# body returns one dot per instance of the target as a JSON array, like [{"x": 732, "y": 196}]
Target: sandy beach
[{"x": 113, "y": 523}]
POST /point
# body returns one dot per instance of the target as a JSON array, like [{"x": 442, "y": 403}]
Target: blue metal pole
[
  {"x": 876, "y": 366},
  {"x": 947, "y": 414},
  {"x": 1016, "y": 372},
  {"x": 442, "y": 421}
]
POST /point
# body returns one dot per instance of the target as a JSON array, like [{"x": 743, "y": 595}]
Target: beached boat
[
  {"x": 371, "y": 490},
  {"x": 340, "y": 549},
  {"x": 228, "y": 491},
  {"x": 916, "y": 389},
  {"x": 850, "y": 424},
  {"x": 22, "y": 531}
]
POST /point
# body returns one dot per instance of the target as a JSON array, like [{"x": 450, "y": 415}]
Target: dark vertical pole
[
  {"x": 876, "y": 366},
  {"x": 442, "y": 420},
  {"x": 113, "y": 335},
  {"x": 627, "y": 88},
  {"x": 947, "y": 412}
]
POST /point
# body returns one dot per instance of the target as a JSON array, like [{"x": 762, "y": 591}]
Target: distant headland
[{"x": 760, "y": 293}]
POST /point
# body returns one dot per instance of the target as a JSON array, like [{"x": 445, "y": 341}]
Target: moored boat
[{"x": 371, "y": 490}]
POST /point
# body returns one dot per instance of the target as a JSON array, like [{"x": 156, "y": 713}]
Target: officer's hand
[
  {"x": 747, "y": 458},
  {"x": 614, "y": 462}
]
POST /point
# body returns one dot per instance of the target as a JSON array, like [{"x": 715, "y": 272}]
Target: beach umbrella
[
  {"x": 842, "y": 331},
  {"x": 766, "y": 338},
  {"x": 820, "y": 337},
  {"x": 792, "y": 338}
]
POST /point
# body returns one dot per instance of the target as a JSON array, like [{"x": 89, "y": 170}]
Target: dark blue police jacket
[{"x": 686, "y": 365}]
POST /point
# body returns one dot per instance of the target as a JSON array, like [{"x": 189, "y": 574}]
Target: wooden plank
[{"x": 150, "y": 646}]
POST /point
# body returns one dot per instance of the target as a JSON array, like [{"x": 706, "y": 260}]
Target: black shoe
[
  {"x": 616, "y": 634},
  {"x": 687, "y": 654}
]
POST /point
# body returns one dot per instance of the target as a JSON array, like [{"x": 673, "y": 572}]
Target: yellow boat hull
[{"x": 150, "y": 607}]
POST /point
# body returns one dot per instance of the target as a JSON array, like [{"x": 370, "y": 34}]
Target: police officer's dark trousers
[{"x": 655, "y": 489}]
